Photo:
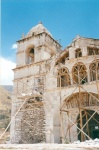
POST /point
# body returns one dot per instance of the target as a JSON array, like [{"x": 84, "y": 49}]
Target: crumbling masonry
[{"x": 56, "y": 92}]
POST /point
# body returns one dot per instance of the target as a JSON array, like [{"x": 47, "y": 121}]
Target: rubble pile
[{"x": 88, "y": 142}]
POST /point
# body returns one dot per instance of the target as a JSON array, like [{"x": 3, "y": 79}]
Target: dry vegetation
[
  {"x": 5, "y": 109},
  {"x": 5, "y": 99}
]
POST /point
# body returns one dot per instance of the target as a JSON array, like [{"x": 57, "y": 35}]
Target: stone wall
[
  {"x": 39, "y": 77},
  {"x": 33, "y": 124}
]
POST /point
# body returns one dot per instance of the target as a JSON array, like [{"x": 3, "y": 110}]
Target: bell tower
[
  {"x": 36, "y": 46},
  {"x": 33, "y": 54}
]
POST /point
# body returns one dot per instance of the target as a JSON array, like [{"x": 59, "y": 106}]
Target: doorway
[{"x": 91, "y": 127}]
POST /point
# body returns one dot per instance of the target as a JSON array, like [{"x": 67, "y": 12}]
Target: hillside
[
  {"x": 5, "y": 99},
  {"x": 5, "y": 111},
  {"x": 9, "y": 88}
]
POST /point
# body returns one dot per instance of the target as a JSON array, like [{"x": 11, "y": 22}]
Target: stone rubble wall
[
  {"x": 30, "y": 124},
  {"x": 33, "y": 126}
]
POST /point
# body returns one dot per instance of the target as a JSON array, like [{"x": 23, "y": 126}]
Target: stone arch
[
  {"x": 94, "y": 70},
  {"x": 29, "y": 54},
  {"x": 73, "y": 106},
  {"x": 69, "y": 94},
  {"x": 79, "y": 73},
  {"x": 83, "y": 99},
  {"x": 63, "y": 78}
]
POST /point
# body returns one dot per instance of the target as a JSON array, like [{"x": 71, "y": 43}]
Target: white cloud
[
  {"x": 14, "y": 46},
  {"x": 6, "y": 73}
]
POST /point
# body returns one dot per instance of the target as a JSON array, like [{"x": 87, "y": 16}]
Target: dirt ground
[{"x": 48, "y": 147}]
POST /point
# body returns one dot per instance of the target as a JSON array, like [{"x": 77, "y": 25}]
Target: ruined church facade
[{"x": 56, "y": 92}]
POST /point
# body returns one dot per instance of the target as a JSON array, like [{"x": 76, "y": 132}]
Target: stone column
[
  {"x": 71, "y": 53},
  {"x": 49, "y": 128},
  {"x": 84, "y": 51}
]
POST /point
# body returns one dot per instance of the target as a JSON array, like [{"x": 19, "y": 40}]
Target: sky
[{"x": 65, "y": 19}]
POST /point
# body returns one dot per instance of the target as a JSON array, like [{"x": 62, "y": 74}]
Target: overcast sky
[{"x": 63, "y": 18}]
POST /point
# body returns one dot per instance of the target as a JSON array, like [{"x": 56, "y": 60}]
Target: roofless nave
[{"x": 56, "y": 92}]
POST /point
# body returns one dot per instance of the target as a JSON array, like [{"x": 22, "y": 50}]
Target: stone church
[{"x": 56, "y": 92}]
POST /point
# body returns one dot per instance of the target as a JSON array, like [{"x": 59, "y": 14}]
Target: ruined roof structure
[{"x": 56, "y": 92}]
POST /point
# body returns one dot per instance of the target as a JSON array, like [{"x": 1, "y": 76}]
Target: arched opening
[
  {"x": 91, "y": 128},
  {"x": 78, "y": 53},
  {"x": 30, "y": 55},
  {"x": 81, "y": 100},
  {"x": 63, "y": 79},
  {"x": 79, "y": 73},
  {"x": 93, "y": 50},
  {"x": 94, "y": 70},
  {"x": 77, "y": 110}
]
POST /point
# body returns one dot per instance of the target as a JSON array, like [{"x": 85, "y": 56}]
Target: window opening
[
  {"x": 79, "y": 74},
  {"x": 78, "y": 53},
  {"x": 94, "y": 71},
  {"x": 93, "y": 51},
  {"x": 63, "y": 79}
]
